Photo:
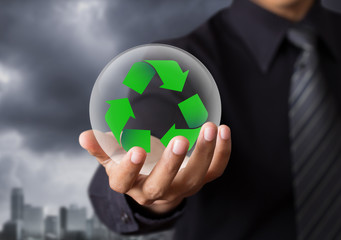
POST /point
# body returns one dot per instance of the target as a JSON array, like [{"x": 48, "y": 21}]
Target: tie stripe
[
  {"x": 315, "y": 134},
  {"x": 309, "y": 111},
  {"x": 315, "y": 131},
  {"x": 313, "y": 165}
]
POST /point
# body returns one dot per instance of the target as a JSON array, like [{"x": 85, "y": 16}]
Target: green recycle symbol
[{"x": 137, "y": 79}]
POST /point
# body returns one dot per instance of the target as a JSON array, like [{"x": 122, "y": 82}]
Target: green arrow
[
  {"x": 136, "y": 137},
  {"x": 118, "y": 115},
  {"x": 139, "y": 76},
  {"x": 193, "y": 111},
  {"x": 170, "y": 73},
  {"x": 190, "y": 134}
]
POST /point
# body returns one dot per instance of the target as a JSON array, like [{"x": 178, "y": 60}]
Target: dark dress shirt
[{"x": 246, "y": 50}]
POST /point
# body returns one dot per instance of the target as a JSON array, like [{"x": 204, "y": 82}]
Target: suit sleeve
[{"x": 122, "y": 214}]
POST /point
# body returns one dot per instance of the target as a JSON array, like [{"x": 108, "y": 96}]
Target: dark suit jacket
[{"x": 245, "y": 49}]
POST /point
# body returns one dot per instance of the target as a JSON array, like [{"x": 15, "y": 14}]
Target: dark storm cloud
[
  {"x": 56, "y": 65},
  {"x": 49, "y": 107}
]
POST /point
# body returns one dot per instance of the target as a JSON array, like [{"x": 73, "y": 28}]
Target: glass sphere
[{"x": 149, "y": 94}]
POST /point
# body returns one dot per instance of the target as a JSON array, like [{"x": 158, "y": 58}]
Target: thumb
[{"x": 89, "y": 142}]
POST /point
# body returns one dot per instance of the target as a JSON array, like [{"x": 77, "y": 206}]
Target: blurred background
[{"x": 51, "y": 53}]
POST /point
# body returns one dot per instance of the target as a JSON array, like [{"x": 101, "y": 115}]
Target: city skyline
[
  {"x": 28, "y": 222},
  {"x": 48, "y": 209}
]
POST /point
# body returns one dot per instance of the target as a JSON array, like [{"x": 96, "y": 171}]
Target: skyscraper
[
  {"x": 62, "y": 221},
  {"x": 33, "y": 223},
  {"x": 75, "y": 223},
  {"x": 11, "y": 231},
  {"x": 51, "y": 228},
  {"x": 96, "y": 230},
  {"x": 76, "y": 219},
  {"x": 17, "y": 204}
]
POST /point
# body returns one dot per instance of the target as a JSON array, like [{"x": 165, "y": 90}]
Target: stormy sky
[{"x": 51, "y": 53}]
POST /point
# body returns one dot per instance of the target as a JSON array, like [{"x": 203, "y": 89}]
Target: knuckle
[
  {"x": 171, "y": 168},
  {"x": 153, "y": 192},
  {"x": 143, "y": 201},
  {"x": 191, "y": 184},
  {"x": 216, "y": 173},
  {"x": 172, "y": 198},
  {"x": 192, "y": 192},
  {"x": 120, "y": 188},
  {"x": 222, "y": 153},
  {"x": 210, "y": 152},
  {"x": 206, "y": 149}
]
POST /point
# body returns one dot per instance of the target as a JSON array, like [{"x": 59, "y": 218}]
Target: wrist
[
  {"x": 163, "y": 208},
  {"x": 157, "y": 209}
]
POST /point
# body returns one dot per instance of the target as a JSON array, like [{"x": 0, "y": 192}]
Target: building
[
  {"x": 76, "y": 223},
  {"x": 11, "y": 231},
  {"x": 17, "y": 204},
  {"x": 51, "y": 228},
  {"x": 62, "y": 221},
  {"x": 76, "y": 219},
  {"x": 89, "y": 229},
  {"x": 33, "y": 222},
  {"x": 96, "y": 230}
]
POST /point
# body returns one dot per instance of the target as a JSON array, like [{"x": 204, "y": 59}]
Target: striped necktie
[{"x": 315, "y": 135}]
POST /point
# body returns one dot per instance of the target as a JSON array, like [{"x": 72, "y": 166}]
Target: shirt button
[{"x": 125, "y": 218}]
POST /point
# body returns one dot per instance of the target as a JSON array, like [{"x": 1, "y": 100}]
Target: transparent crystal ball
[{"x": 149, "y": 94}]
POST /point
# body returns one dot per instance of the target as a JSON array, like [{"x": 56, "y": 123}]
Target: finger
[
  {"x": 161, "y": 177},
  {"x": 221, "y": 154},
  {"x": 191, "y": 178},
  {"x": 89, "y": 142},
  {"x": 123, "y": 175}
]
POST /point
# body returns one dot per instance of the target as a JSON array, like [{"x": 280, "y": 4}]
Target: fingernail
[
  {"x": 224, "y": 134},
  {"x": 179, "y": 147},
  {"x": 136, "y": 158},
  {"x": 209, "y": 134}
]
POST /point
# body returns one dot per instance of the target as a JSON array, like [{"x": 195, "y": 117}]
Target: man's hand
[{"x": 165, "y": 187}]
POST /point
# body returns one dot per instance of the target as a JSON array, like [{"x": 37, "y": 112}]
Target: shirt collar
[{"x": 263, "y": 31}]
